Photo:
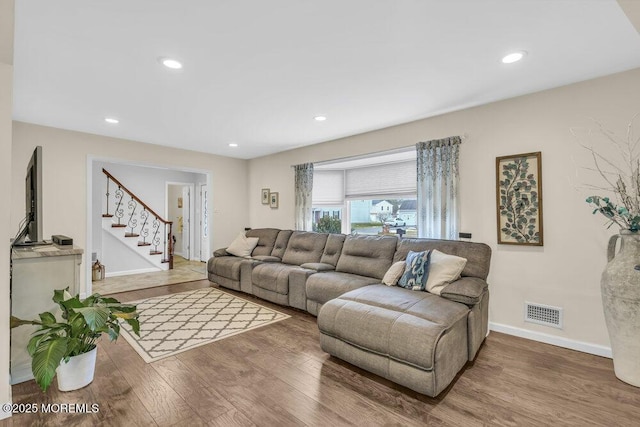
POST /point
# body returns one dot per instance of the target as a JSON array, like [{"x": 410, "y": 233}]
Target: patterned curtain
[
  {"x": 438, "y": 176},
  {"x": 304, "y": 187}
]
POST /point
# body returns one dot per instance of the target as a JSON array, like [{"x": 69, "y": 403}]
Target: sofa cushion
[
  {"x": 266, "y": 240},
  {"x": 392, "y": 321},
  {"x": 467, "y": 290},
  {"x": 226, "y": 266},
  {"x": 281, "y": 243},
  {"x": 478, "y": 255},
  {"x": 266, "y": 258},
  {"x": 318, "y": 266},
  {"x": 273, "y": 277},
  {"x": 322, "y": 287},
  {"x": 367, "y": 255},
  {"x": 443, "y": 269},
  {"x": 332, "y": 249},
  {"x": 242, "y": 246},
  {"x": 416, "y": 271},
  {"x": 304, "y": 246},
  {"x": 394, "y": 273}
]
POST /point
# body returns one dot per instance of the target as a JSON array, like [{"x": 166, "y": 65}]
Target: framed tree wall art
[{"x": 519, "y": 199}]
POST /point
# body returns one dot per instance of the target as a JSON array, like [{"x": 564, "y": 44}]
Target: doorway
[{"x": 180, "y": 210}]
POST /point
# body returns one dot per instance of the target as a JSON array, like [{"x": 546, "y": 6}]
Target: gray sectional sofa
[{"x": 417, "y": 339}]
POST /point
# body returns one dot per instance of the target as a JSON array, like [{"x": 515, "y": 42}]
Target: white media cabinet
[{"x": 37, "y": 271}]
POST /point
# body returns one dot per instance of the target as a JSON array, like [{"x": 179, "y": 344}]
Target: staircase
[{"x": 136, "y": 225}]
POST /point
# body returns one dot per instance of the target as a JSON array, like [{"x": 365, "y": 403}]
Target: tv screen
[{"x": 31, "y": 233}]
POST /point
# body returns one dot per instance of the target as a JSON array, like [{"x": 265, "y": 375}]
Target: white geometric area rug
[{"x": 171, "y": 324}]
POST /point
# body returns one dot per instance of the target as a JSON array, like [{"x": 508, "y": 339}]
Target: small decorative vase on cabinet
[{"x": 620, "y": 287}]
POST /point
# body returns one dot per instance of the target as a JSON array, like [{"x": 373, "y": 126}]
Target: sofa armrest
[
  {"x": 318, "y": 266},
  {"x": 221, "y": 252},
  {"x": 467, "y": 290},
  {"x": 266, "y": 258}
]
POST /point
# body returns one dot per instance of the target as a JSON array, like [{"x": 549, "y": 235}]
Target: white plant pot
[{"x": 78, "y": 372}]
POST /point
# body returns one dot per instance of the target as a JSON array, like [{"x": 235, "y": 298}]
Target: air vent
[
  {"x": 94, "y": 256},
  {"x": 543, "y": 315}
]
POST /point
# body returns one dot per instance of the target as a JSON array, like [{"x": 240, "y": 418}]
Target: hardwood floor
[{"x": 277, "y": 375}]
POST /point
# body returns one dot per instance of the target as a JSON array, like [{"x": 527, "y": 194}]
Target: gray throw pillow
[{"x": 416, "y": 271}]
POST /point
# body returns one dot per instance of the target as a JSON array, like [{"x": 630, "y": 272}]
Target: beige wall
[
  {"x": 632, "y": 9},
  {"x": 65, "y": 173},
  {"x": 566, "y": 271},
  {"x": 6, "y": 90}
]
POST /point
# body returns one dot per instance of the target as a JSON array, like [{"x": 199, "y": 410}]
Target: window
[
  {"x": 327, "y": 219},
  {"x": 388, "y": 216},
  {"x": 328, "y": 200},
  {"x": 372, "y": 195}
]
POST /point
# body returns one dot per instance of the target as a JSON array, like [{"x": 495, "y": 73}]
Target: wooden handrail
[{"x": 119, "y": 184}]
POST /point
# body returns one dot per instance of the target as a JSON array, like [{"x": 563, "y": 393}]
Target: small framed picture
[
  {"x": 265, "y": 196},
  {"x": 179, "y": 202},
  {"x": 273, "y": 200},
  {"x": 519, "y": 199}
]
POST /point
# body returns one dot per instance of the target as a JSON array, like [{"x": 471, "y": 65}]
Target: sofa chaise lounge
[{"x": 417, "y": 339}]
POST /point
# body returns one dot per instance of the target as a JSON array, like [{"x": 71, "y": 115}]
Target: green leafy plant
[
  {"x": 619, "y": 215},
  {"x": 519, "y": 201},
  {"x": 328, "y": 224},
  {"x": 620, "y": 171},
  {"x": 83, "y": 322}
]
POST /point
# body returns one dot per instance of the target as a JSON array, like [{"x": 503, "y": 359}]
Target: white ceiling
[{"x": 256, "y": 72}]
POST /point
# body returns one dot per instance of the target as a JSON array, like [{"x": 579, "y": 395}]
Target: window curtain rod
[
  {"x": 462, "y": 137},
  {"x": 364, "y": 156}
]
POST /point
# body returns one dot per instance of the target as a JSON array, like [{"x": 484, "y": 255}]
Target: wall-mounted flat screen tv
[{"x": 31, "y": 231}]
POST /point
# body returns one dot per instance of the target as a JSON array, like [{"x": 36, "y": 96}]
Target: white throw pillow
[
  {"x": 242, "y": 246},
  {"x": 394, "y": 273},
  {"x": 444, "y": 269}
]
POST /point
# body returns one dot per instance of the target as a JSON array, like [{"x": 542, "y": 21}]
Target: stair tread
[
  {"x": 118, "y": 225},
  {"x": 107, "y": 216},
  {"x": 155, "y": 253},
  {"x": 131, "y": 235},
  {"x": 144, "y": 244}
]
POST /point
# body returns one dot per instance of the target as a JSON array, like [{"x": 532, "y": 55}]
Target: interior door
[
  {"x": 186, "y": 218},
  {"x": 204, "y": 222}
]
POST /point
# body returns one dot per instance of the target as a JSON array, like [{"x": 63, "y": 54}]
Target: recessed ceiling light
[
  {"x": 170, "y": 63},
  {"x": 233, "y": 144},
  {"x": 111, "y": 120},
  {"x": 320, "y": 118},
  {"x": 514, "y": 57}
]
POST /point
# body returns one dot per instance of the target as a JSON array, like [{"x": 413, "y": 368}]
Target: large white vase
[
  {"x": 78, "y": 372},
  {"x": 620, "y": 287}
]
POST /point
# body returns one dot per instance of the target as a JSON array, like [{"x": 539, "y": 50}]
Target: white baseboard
[
  {"x": 21, "y": 374},
  {"x": 598, "y": 350},
  {"x": 128, "y": 272}
]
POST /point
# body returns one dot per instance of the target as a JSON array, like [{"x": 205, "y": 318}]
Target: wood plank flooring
[{"x": 277, "y": 375}]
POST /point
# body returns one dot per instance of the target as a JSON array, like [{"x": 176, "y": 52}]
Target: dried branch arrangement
[{"x": 619, "y": 167}]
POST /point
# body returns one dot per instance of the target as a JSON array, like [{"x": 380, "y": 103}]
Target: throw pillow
[
  {"x": 394, "y": 273},
  {"x": 242, "y": 246},
  {"x": 443, "y": 269},
  {"x": 416, "y": 271}
]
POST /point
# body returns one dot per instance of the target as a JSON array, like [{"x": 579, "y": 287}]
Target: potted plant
[
  {"x": 619, "y": 169},
  {"x": 68, "y": 347}
]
